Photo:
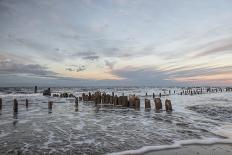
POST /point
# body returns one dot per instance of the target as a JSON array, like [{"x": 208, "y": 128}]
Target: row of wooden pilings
[
  {"x": 130, "y": 101},
  {"x": 16, "y": 105},
  {"x": 123, "y": 101}
]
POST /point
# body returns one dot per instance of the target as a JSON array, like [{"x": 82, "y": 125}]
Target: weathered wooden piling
[
  {"x": 0, "y": 103},
  {"x": 50, "y": 103},
  {"x": 115, "y": 100},
  {"x": 137, "y": 103},
  {"x": 147, "y": 104},
  {"x": 146, "y": 94},
  {"x": 76, "y": 100},
  {"x": 15, "y": 107},
  {"x": 168, "y": 105},
  {"x": 124, "y": 101},
  {"x": 26, "y": 103},
  {"x": 35, "y": 90},
  {"x": 160, "y": 95},
  {"x": 153, "y": 95},
  {"x": 47, "y": 92},
  {"x": 158, "y": 103}
]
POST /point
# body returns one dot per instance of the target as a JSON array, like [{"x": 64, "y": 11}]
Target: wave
[{"x": 224, "y": 131}]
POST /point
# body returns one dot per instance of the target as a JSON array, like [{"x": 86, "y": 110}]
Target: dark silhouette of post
[
  {"x": 35, "y": 90},
  {"x": 147, "y": 104},
  {"x": 26, "y": 103},
  {"x": 168, "y": 105},
  {"x": 15, "y": 107},
  {"x": 50, "y": 103},
  {"x": 158, "y": 104}
]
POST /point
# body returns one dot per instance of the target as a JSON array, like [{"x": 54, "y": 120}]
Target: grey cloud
[
  {"x": 144, "y": 76},
  {"x": 13, "y": 66},
  {"x": 199, "y": 71},
  {"x": 70, "y": 69},
  {"x": 8, "y": 66},
  {"x": 110, "y": 64},
  {"x": 215, "y": 47},
  {"x": 91, "y": 57},
  {"x": 76, "y": 68}
]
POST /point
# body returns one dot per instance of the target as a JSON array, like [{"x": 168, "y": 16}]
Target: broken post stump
[
  {"x": 147, "y": 104},
  {"x": 158, "y": 104},
  {"x": 26, "y": 103},
  {"x": 50, "y": 103},
  {"x": 115, "y": 100},
  {"x": 76, "y": 101},
  {"x": 35, "y": 90},
  {"x": 47, "y": 92},
  {"x": 137, "y": 103},
  {"x": 15, "y": 107},
  {"x": 168, "y": 105}
]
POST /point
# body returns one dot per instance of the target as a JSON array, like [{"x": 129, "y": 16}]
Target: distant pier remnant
[
  {"x": 15, "y": 107},
  {"x": 168, "y": 105},
  {"x": 0, "y": 103},
  {"x": 26, "y": 103},
  {"x": 35, "y": 90},
  {"x": 153, "y": 95},
  {"x": 147, "y": 104},
  {"x": 47, "y": 92},
  {"x": 158, "y": 104}
]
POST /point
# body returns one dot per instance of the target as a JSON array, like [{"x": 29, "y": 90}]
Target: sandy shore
[{"x": 215, "y": 149}]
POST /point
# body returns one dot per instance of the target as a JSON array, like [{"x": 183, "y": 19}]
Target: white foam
[
  {"x": 176, "y": 145},
  {"x": 224, "y": 131}
]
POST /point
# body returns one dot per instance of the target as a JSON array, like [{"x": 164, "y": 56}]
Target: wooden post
[
  {"x": 15, "y": 107},
  {"x": 146, "y": 94},
  {"x": 76, "y": 101},
  {"x": 153, "y": 95},
  {"x": 0, "y": 103},
  {"x": 168, "y": 105},
  {"x": 35, "y": 90},
  {"x": 137, "y": 103},
  {"x": 158, "y": 104},
  {"x": 50, "y": 103},
  {"x": 160, "y": 95},
  {"x": 26, "y": 103},
  {"x": 147, "y": 104}
]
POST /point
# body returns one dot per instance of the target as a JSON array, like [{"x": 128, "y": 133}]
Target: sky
[{"x": 115, "y": 42}]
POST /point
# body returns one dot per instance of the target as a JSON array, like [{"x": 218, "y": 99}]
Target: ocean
[{"x": 88, "y": 129}]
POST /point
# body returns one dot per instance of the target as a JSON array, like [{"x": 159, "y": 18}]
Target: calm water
[{"x": 90, "y": 130}]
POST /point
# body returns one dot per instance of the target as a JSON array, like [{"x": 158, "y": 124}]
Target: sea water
[{"x": 204, "y": 118}]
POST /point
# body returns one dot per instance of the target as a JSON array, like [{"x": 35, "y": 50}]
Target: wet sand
[{"x": 215, "y": 149}]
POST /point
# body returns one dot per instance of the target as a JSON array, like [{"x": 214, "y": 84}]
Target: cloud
[
  {"x": 216, "y": 47},
  {"x": 110, "y": 64},
  {"x": 75, "y": 68},
  {"x": 91, "y": 57},
  {"x": 9, "y": 66},
  {"x": 144, "y": 76}
]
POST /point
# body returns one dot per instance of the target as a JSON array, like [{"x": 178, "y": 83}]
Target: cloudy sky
[{"x": 115, "y": 42}]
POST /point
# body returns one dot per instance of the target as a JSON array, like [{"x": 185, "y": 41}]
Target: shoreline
[{"x": 191, "y": 147}]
